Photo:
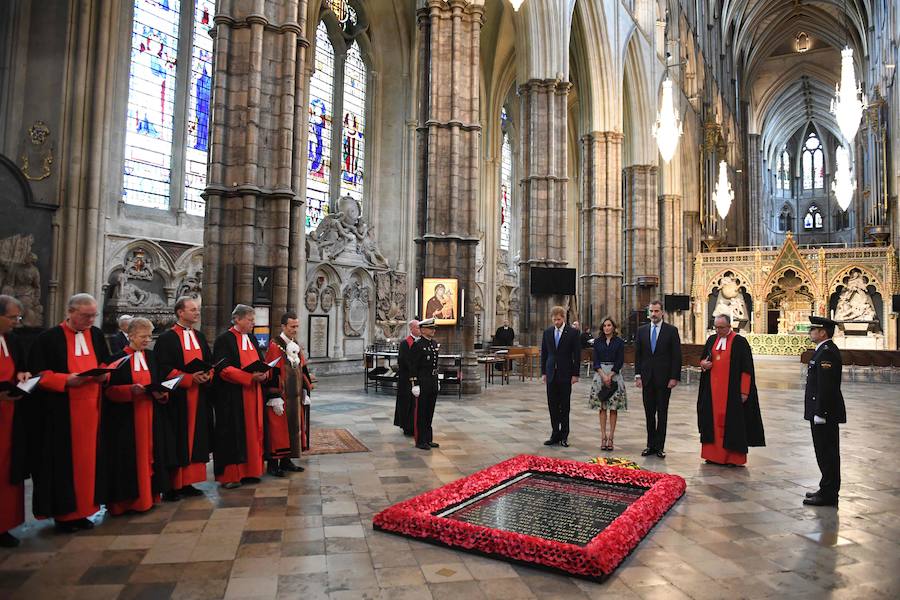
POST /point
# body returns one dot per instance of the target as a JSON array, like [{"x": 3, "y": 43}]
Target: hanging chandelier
[
  {"x": 844, "y": 183},
  {"x": 516, "y": 4},
  {"x": 667, "y": 129},
  {"x": 849, "y": 101},
  {"x": 724, "y": 195}
]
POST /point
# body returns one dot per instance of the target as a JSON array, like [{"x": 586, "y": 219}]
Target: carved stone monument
[{"x": 21, "y": 278}]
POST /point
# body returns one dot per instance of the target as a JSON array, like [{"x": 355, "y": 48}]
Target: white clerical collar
[
  {"x": 4, "y": 350},
  {"x": 81, "y": 347},
  {"x": 139, "y": 362},
  {"x": 721, "y": 343},
  {"x": 245, "y": 342}
]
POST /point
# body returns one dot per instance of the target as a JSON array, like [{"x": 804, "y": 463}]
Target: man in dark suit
[
  {"x": 119, "y": 340},
  {"x": 824, "y": 408},
  {"x": 657, "y": 370},
  {"x": 560, "y": 357}
]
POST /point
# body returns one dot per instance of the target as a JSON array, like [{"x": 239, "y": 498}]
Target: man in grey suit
[{"x": 657, "y": 370}]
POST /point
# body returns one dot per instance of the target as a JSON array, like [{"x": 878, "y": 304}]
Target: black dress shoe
[
  {"x": 190, "y": 490},
  {"x": 423, "y": 446},
  {"x": 250, "y": 480},
  {"x": 232, "y": 485},
  {"x": 434, "y": 444},
  {"x": 171, "y": 496},
  {"x": 288, "y": 465},
  {"x": 564, "y": 443},
  {"x": 65, "y": 526},
  {"x": 820, "y": 501},
  {"x": 408, "y": 433},
  {"x": 811, "y": 494},
  {"x": 8, "y": 540},
  {"x": 551, "y": 442},
  {"x": 661, "y": 453},
  {"x": 276, "y": 472},
  {"x": 647, "y": 451}
]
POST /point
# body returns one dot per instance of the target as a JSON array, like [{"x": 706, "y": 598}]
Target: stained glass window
[
  {"x": 153, "y": 151},
  {"x": 151, "y": 99},
  {"x": 813, "y": 164},
  {"x": 337, "y": 117},
  {"x": 197, "y": 145},
  {"x": 354, "y": 124},
  {"x": 813, "y": 218},
  {"x": 321, "y": 94},
  {"x": 505, "y": 190}
]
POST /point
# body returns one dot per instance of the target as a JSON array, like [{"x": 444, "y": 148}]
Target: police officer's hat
[
  {"x": 822, "y": 323},
  {"x": 429, "y": 323}
]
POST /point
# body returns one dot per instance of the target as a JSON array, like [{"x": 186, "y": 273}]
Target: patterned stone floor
[{"x": 737, "y": 533}]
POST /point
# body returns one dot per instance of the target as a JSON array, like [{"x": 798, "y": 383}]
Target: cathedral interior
[
  {"x": 367, "y": 162},
  {"x": 329, "y": 156}
]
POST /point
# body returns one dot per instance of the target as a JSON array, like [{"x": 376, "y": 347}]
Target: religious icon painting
[
  {"x": 571, "y": 517},
  {"x": 441, "y": 300}
]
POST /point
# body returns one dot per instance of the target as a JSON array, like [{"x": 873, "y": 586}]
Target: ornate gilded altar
[{"x": 778, "y": 287}]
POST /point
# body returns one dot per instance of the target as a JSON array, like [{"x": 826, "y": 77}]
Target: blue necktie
[
  {"x": 557, "y": 338},
  {"x": 653, "y": 339}
]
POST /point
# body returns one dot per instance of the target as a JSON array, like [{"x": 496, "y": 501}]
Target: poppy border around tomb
[{"x": 414, "y": 518}]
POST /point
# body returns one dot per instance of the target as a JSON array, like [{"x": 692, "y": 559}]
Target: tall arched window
[
  {"x": 161, "y": 162},
  {"x": 505, "y": 181},
  {"x": 813, "y": 218},
  {"x": 784, "y": 172},
  {"x": 813, "y": 163},
  {"x": 337, "y": 87},
  {"x": 785, "y": 219}
]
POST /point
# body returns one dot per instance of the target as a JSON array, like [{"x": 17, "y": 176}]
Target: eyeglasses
[{"x": 16, "y": 318}]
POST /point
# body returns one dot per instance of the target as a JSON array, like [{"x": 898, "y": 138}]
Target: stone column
[
  {"x": 754, "y": 189},
  {"x": 449, "y": 150},
  {"x": 253, "y": 198},
  {"x": 601, "y": 216},
  {"x": 641, "y": 237},
  {"x": 671, "y": 251},
  {"x": 543, "y": 188}
]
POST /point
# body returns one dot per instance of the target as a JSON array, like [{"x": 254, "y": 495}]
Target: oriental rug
[
  {"x": 563, "y": 515},
  {"x": 333, "y": 441}
]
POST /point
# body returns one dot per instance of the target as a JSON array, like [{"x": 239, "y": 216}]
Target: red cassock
[
  {"x": 84, "y": 414},
  {"x": 143, "y": 434},
  {"x": 253, "y": 414},
  {"x": 719, "y": 376},
  {"x": 12, "y": 496},
  {"x": 194, "y": 472},
  {"x": 278, "y": 438}
]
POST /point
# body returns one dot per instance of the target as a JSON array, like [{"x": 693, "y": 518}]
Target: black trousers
[
  {"x": 559, "y": 396},
  {"x": 656, "y": 410},
  {"x": 404, "y": 409},
  {"x": 424, "y": 414},
  {"x": 828, "y": 455}
]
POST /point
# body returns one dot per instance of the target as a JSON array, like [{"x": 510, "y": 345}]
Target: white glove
[
  {"x": 817, "y": 420},
  {"x": 277, "y": 405},
  {"x": 416, "y": 390}
]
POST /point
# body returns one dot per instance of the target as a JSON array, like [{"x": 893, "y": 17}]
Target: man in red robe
[
  {"x": 188, "y": 413},
  {"x": 292, "y": 382},
  {"x": 63, "y": 438},
  {"x": 238, "y": 403},
  {"x": 12, "y": 424},
  {"x": 727, "y": 404}
]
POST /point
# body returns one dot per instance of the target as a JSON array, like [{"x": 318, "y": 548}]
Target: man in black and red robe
[
  {"x": 66, "y": 408},
  {"x": 238, "y": 400},
  {"x": 12, "y": 424},
  {"x": 403, "y": 410},
  {"x": 285, "y": 419},
  {"x": 188, "y": 412}
]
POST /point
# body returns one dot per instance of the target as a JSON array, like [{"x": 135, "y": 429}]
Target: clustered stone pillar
[
  {"x": 253, "y": 204},
  {"x": 601, "y": 215},
  {"x": 449, "y": 150},
  {"x": 543, "y": 187},
  {"x": 641, "y": 236},
  {"x": 755, "y": 189}
]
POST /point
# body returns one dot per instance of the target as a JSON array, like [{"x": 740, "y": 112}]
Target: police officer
[
  {"x": 423, "y": 376},
  {"x": 824, "y": 409}
]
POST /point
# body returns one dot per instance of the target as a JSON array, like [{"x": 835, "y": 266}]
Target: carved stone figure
[
  {"x": 854, "y": 302},
  {"x": 731, "y": 301},
  {"x": 356, "y": 309},
  {"x": 368, "y": 247},
  {"x": 346, "y": 230},
  {"x": 192, "y": 284},
  {"x": 21, "y": 278}
]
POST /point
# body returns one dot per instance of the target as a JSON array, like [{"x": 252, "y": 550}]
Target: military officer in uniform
[
  {"x": 824, "y": 409},
  {"x": 423, "y": 377}
]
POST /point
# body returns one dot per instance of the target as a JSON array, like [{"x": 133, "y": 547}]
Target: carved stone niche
[
  {"x": 356, "y": 309},
  {"x": 391, "y": 312},
  {"x": 139, "y": 287}
]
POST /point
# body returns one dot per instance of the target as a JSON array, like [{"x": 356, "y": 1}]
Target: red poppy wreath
[{"x": 577, "y": 518}]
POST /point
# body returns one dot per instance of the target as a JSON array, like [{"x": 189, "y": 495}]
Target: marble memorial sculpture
[
  {"x": 21, "y": 278},
  {"x": 854, "y": 302},
  {"x": 730, "y": 300}
]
